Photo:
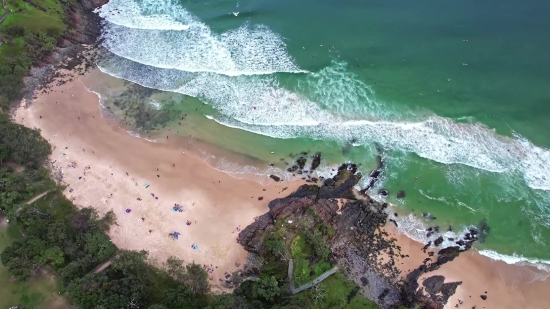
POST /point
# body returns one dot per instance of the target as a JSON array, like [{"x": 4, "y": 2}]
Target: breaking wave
[
  {"x": 165, "y": 35},
  {"x": 260, "y": 104}
]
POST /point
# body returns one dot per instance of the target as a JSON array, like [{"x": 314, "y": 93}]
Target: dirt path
[
  {"x": 32, "y": 200},
  {"x": 101, "y": 266}
]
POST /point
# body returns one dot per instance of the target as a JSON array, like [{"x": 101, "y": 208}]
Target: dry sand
[{"x": 216, "y": 203}]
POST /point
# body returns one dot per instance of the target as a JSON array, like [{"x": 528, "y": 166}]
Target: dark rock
[
  {"x": 260, "y": 198},
  {"x": 341, "y": 185},
  {"x": 301, "y": 162},
  {"x": 400, "y": 194},
  {"x": 427, "y": 246},
  {"x": 394, "y": 222},
  {"x": 449, "y": 289},
  {"x": 316, "y": 161},
  {"x": 274, "y": 177},
  {"x": 364, "y": 281},
  {"x": 433, "y": 284},
  {"x": 484, "y": 297},
  {"x": 438, "y": 241},
  {"x": 383, "y": 192}
]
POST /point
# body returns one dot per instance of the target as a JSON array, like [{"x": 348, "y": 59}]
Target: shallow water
[{"x": 454, "y": 93}]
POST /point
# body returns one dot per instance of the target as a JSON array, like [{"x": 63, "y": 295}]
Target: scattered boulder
[
  {"x": 383, "y": 192},
  {"x": 301, "y": 162},
  {"x": 484, "y": 297},
  {"x": 275, "y": 177},
  {"x": 438, "y": 241},
  {"x": 260, "y": 198}
]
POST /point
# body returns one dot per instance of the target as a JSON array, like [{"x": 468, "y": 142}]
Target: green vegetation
[
  {"x": 51, "y": 235},
  {"x": 335, "y": 292},
  {"x": 306, "y": 242},
  {"x": 27, "y": 34}
]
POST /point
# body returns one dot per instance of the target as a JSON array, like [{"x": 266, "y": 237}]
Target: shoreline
[{"x": 69, "y": 116}]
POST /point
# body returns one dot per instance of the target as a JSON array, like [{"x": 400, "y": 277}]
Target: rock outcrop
[{"x": 359, "y": 241}]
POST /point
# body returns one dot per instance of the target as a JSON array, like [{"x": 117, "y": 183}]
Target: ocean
[{"x": 454, "y": 95}]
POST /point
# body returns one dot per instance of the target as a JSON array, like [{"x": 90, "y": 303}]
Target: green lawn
[{"x": 40, "y": 293}]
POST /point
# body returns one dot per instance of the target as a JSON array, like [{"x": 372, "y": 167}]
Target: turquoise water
[{"x": 456, "y": 94}]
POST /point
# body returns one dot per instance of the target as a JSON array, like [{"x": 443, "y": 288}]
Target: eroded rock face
[{"x": 358, "y": 241}]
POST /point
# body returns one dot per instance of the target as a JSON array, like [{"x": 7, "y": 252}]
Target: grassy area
[
  {"x": 336, "y": 292},
  {"x": 45, "y": 15},
  {"x": 31, "y": 31},
  {"x": 40, "y": 293},
  {"x": 301, "y": 253}
]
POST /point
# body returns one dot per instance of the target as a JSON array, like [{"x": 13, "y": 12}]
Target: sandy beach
[
  {"x": 215, "y": 204},
  {"x": 106, "y": 168}
]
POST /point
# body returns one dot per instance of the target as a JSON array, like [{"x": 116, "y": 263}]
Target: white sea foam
[
  {"x": 260, "y": 104},
  {"x": 129, "y": 14},
  {"x": 134, "y": 134},
  {"x": 155, "y": 105},
  {"x": 517, "y": 259},
  {"x": 260, "y": 175},
  {"x": 146, "y": 33}
]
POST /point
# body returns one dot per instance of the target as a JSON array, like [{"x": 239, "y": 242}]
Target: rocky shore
[{"x": 360, "y": 245}]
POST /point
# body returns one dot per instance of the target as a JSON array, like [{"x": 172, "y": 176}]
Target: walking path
[
  {"x": 306, "y": 286},
  {"x": 8, "y": 12}
]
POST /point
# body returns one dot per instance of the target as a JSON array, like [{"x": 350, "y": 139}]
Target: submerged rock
[{"x": 400, "y": 194}]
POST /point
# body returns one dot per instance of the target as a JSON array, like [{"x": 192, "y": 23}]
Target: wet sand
[{"x": 214, "y": 202}]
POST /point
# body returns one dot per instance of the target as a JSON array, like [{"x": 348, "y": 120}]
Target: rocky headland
[{"x": 359, "y": 244}]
